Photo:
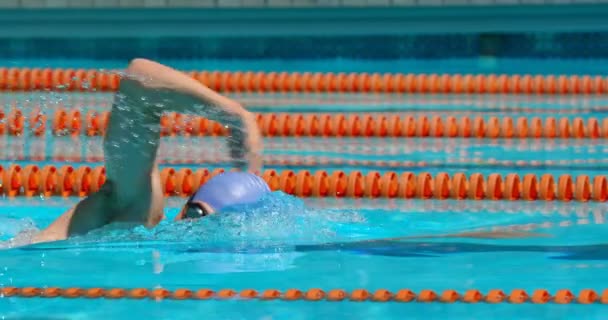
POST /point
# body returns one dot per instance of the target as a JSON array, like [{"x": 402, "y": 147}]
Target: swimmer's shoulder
[
  {"x": 100, "y": 209},
  {"x": 92, "y": 212},
  {"x": 97, "y": 210}
]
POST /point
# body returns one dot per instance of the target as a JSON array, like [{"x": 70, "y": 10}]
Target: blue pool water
[{"x": 325, "y": 243}]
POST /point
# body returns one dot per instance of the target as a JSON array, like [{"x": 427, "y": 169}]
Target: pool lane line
[
  {"x": 94, "y": 123},
  {"x": 81, "y": 80},
  {"x": 32, "y": 180},
  {"x": 337, "y": 154},
  {"x": 310, "y": 163},
  {"x": 341, "y": 102},
  {"x": 495, "y": 296},
  {"x": 378, "y": 154}
]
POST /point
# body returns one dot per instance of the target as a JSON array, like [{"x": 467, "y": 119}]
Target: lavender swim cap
[{"x": 232, "y": 188}]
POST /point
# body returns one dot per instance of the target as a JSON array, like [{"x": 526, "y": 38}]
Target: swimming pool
[{"x": 327, "y": 242}]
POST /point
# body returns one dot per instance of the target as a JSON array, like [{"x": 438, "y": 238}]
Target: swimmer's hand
[{"x": 245, "y": 143}]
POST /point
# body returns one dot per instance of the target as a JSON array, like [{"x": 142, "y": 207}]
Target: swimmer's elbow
[
  {"x": 180, "y": 87},
  {"x": 148, "y": 74},
  {"x": 139, "y": 64}
]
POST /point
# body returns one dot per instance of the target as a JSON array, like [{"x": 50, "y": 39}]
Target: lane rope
[
  {"x": 397, "y": 154},
  {"x": 28, "y": 79},
  {"x": 429, "y": 104},
  {"x": 179, "y": 156},
  {"x": 32, "y": 180},
  {"x": 516, "y": 296},
  {"x": 94, "y": 123}
]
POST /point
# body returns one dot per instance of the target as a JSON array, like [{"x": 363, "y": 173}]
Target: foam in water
[
  {"x": 277, "y": 219},
  {"x": 16, "y": 232}
]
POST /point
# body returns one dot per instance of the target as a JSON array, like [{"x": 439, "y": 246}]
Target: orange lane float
[
  {"x": 81, "y": 181},
  {"x": 494, "y": 296},
  {"x": 93, "y": 123},
  {"x": 30, "y": 79}
]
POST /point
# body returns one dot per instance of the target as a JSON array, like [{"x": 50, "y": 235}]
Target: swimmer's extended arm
[{"x": 132, "y": 192}]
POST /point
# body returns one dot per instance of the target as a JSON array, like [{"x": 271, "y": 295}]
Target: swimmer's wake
[
  {"x": 281, "y": 223},
  {"x": 278, "y": 218},
  {"x": 392, "y": 248}
]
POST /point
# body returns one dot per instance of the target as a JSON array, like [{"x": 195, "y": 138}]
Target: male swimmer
[{"x": 132, "y": 194}]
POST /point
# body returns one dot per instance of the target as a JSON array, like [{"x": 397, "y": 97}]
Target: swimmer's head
[{"x": 222, "y": 191}]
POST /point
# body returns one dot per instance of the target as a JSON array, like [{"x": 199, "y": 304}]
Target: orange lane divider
[
  {"x": 516, "y": 296},
  {"x": 26, "y": 79},
  {"x": 72, "y": 121},
  {"x": 67, "y": 180}
]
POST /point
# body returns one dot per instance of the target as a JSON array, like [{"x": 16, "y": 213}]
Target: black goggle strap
[{"x": 194, "y": 210}]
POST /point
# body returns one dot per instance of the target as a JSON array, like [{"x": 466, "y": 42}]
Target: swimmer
[{"x": 132, "y": 194}]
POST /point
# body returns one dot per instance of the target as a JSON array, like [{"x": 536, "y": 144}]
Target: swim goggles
[{"x": 194, "y": 210}]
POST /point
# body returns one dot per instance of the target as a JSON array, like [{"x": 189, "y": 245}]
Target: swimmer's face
[{"x": 194, "y": 209}]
